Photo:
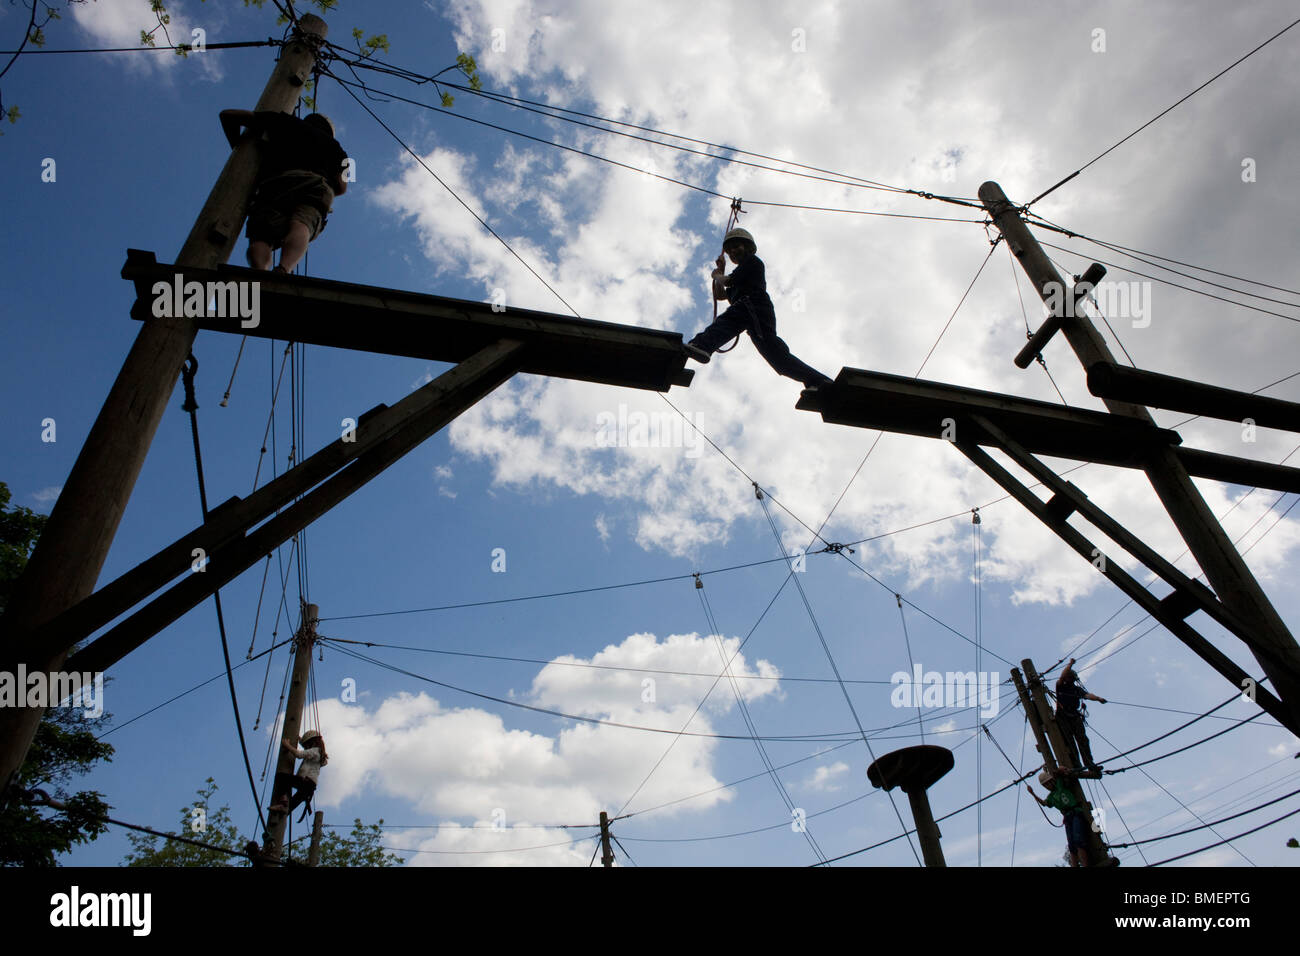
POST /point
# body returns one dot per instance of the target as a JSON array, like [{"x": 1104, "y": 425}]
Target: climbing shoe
[{"x": 697, "y": 353}]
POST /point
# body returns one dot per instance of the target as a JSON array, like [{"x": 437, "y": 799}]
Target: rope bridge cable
[
  {"x": 453, "y": 193},
  {"x": 41, "y": 798},
  {"x": 1096, "y": 305},
  {"x": 1171, "y": 796},
  {"x": 763, "y": 829},
  {"x": 150, "y": 49},
  {"x": 1204, "y": 826},
  {"x": 664, "y": 755},
  {"x": 827, "y": 737},
  {"x": 607, "y": 667},
  {"x": 1161, "y": 114},
  {"x": 191, "y": 406},
  {"x": 750, "y": 724},
  {"x": 832, "y": 547},
  {"x": 561, "y": 113},
  {"x": 185, "y": 693},
  {"x": 1016, "y": 770},
  {"x": 1169, "y": 282},
  {"x": 946, "y": 816},
  {"x": 1140, "y": 253},
  {"x": 911, "y": 665},
  {"x": 1187, "y": 275},
  {"x": 1015, "y": 278},
  {"x": 835, "y": 669},
  {"x": 733, "y": 220},
  {"x": 1123, "y": 822},
  {"x": 1197, "y": 743},
  {"x": 1228, "y": 840},
  {"x": 636, "y": 169}
]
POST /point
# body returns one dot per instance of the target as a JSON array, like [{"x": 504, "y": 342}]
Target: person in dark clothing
[
  {"x": 750, "y": 311},
  {"x": 1069, "y": 716},
  {"x": 301, "y": 172}
]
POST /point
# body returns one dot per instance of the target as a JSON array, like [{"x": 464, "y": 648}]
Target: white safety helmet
[
  {"x": 743, "y": 235},
  {"x": 1045, "y": 778}
]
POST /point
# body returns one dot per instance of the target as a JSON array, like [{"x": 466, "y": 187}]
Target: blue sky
[{"x": 933, "y": 103}]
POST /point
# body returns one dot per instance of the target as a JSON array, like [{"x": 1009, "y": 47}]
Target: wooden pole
[
  {"x": 1098, "y": 853},
  {"x": 607, "y": 855},
  {"x": 1035, "y": 721},
  {"x": 273, "y": 839},
  {"x": 1273, "y": 645},
  {"x": 317, "y": 824},
  {"x": 71, "y": 551}
]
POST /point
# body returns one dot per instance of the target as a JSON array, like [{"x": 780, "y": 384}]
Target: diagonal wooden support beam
[
  {"x": 373, "y": 319},
  {"x": 233, "y": 518},
  {"x": 1196, "y": 594},
  {"x": 1128, "y": 584},
  {"x": 460, "y": 389},
  {"x": 1168, "y": 471}
]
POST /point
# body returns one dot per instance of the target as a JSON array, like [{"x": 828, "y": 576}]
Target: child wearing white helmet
[
  {"x": 313, "y": 758},
  {"x": 1062, "y": 798},
  {"x": 750, "y": 311}
]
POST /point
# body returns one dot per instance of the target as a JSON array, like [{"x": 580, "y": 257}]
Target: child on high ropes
[{"x": 750, "y": 311}]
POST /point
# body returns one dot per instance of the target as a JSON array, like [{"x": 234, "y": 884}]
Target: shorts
[
  {"x": 1076, "y": 830},
  {"x": 295, "y": 196}
]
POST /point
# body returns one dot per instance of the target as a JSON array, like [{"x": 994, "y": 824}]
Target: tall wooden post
[
  {"x": 1044, "y": 723},
  {"x": 1274, "y": 647},
  {"x": 317, "y": 824},
  {"x": 71, "y": 551},
  {"x": 607, "y": 855},
  {"x": 273, "y": 840}
]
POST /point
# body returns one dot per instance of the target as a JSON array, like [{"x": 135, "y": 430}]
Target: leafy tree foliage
[
  {"x": 200, "y": 821},
  {"x": 64, "y": 745}
]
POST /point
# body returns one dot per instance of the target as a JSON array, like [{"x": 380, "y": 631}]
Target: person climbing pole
[
  {"x": 1071, "y": 713},
  {"x": 1076, "y": 821},
  {"x": 750, "y": 311},
  {"x": 304, "y": 781},
  {"x": 300, "y": 174}
]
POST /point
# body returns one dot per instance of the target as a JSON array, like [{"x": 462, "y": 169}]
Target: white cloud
[
  {"x": 827, "y": 779},
  {"x": 877, "y": 292},
  {"x": 47, "y": 496},
  {"x": 464, "y": 764}
]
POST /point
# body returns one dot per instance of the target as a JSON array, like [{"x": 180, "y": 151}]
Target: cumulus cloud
[
  {"x": 466, "y": 766},
  {"x": 849, "y": 290}
]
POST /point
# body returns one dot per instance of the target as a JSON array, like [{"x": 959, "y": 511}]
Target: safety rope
[
  {"x": 733, "y": 220},
  {"x": 188, "y": 371}
]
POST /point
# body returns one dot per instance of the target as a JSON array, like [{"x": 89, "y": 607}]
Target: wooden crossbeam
[
  {"x": 1107, "y": 380},
  {"x": 373, "y": 319},
  {"x": 931, "y": 410}
]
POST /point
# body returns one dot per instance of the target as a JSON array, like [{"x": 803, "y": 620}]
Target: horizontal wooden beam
[
  {"x": 389, "y": 321},
  {"x": 910, "y": 406},
  {"x": 897, "y": 403},
  {"x": 1196, "y": 398}
]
